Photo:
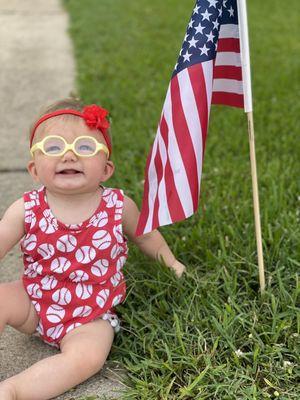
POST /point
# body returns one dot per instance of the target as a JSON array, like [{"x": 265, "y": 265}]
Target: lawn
[{"x": 210, "y": 335}]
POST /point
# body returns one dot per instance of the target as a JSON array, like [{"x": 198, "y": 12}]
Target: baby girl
[{"x": 73, "y": 234}]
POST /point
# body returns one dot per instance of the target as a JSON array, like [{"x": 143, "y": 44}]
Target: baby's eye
[
  {"x": 52, "y": 149},
  {"x": 85, "y": 147}
]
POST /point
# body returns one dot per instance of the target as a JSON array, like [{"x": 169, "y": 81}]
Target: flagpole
[{"x": 245, "y": 56}]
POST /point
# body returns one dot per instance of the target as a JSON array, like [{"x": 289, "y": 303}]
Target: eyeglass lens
[
  {"x": 54, "y": 145},
  {"x": 85, "y": 146}
]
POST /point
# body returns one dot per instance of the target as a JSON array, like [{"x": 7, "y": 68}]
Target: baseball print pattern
[{"x": 72, "y": 273}]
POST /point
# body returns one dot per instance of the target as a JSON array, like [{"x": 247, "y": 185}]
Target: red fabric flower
[{"x": 95, "y": 117}]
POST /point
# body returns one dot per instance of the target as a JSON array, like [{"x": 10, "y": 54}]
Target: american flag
[{"x": 208, "y": 71}]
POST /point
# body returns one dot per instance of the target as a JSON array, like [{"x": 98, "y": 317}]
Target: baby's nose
[{"x": 69, "y": 155}]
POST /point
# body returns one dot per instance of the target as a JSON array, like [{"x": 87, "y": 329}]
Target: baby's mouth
[{"x": 69, "y": 172}]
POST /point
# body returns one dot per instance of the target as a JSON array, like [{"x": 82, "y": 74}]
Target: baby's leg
[
  {"x": 16, "y": 308},
  {"x": 83, "y": 353}
]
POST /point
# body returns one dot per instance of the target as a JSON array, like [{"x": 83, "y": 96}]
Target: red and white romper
[{"x": 73, "y": 273}]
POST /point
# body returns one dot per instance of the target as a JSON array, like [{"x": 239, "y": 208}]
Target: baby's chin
[{"x": 71, "y": 185}]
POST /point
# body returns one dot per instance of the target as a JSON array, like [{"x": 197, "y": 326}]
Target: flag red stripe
[
  {"x": 174, "y": 203},
  {"x": 229, "y": 44},
  {"x": 184, "y": 141},
  {"x": 228, "y": 99},
  {"x": 199, "y": 88},
  {"x": 227, "y": 72}
]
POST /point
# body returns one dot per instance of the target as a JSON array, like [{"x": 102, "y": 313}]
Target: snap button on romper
[{"x": 72, "y": 273}]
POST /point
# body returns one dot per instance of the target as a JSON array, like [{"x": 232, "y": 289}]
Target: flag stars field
[
  {"x": 215, "y": 24},
  {"x": 199, "y": 28},
  {"x": 231, "y": 11},
  {"x": 193, "y": 42},
  {"x": 206, "y": 15},
  {"x": 210, "y": 37},
  {"x": 204, "y": 50},
  {"x": 212, "y": 3},
  {"x": 196, "y": 9}
]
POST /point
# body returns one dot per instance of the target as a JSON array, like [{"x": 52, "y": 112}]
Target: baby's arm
[
  {"x": 11, "y": 227},
  {"x": 152, "y": 244}
]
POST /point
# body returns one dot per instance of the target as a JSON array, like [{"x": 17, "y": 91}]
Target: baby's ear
[
  {"x": 108, "y": 171},
  {"x": 31, "y": 168}
]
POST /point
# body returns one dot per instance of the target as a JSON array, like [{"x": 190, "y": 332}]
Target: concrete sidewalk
[{"x": 37, "y": 68}]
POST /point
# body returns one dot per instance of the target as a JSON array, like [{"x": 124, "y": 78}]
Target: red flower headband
[{"x": 93, "y": 115}]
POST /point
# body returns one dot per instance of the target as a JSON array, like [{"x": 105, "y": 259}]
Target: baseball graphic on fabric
[
  {"x": 37, "y": 306},
  {"x": 46, "y": 226},
  {"x": 62, "y": 296},
  {"x": 100, "y": 268},
  {"x": 66, "y": 243},
  {"x": 73, "y": 326},
  {"x": 118, "y": 233},
  {"x": 30, "y": 242},
  {"x": 115, "y": 251},
  {"x": 55, "y": 313},
  {"x": 85, "y": 254},
  {"x": 84, "y": 291},
  {"x": 34, "y": 198},
  {"x": 101, "y": 239},
  {"x": 102, "y": 297},
  {"x": 34, "y": 290},
  {"x": 29, "y": 259},
  {"x": 111, "y": 199},
  {"x": 55, "y": 331},
  {"x": 46, "y": 250},
  {"x": 33, "y": 270},
  {"x": 48, "y": 282},
  {"x": 99, "y": 220},
  {"x": 40, "y": 328},
  {"x": 83, "y": 311},
  {"x": 120, "y": 262},
  {"x": 60, "y": 265},
  {"x": 27, "y": 205},
  {"x": 115, "y": 280},
  {"x": 117, "y": 300},
  {"x": 30, "y": 218},
  {"x": 78, "y": 276},
  {"x": 119, "y": 209}
]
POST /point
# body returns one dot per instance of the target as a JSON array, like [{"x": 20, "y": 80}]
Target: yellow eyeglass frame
[{"x": 69, "y": 146}]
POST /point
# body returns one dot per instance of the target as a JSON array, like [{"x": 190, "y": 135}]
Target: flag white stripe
[
  {"x": 192, "y": 116},
  {"x": 228, "y": 31},
  {"x": 164, "y": 217},
  {"x": 207, "y": 68},
  {"x": 228, "y": 85},
  {"x": 152, "y": 178},
  {"x": 228, "y": 58},
  {"x": 177, "y": 166}
]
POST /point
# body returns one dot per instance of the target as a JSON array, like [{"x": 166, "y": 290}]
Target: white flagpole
[{"x": 245, "y": 56}]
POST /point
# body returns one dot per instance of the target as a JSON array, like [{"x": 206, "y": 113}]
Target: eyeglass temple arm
[{"x": 34, "y": 148}]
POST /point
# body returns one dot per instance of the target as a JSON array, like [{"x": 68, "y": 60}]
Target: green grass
[{"x": 210, "y": 335}]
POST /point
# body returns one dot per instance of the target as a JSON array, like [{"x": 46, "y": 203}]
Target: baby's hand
[{"x": 178, "y": 268}]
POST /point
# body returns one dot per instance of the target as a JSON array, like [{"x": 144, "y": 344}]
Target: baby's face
[{"x": 69, "y": 173}]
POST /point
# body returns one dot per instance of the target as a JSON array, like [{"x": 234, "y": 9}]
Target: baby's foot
[{"x": 7, "y": 391}]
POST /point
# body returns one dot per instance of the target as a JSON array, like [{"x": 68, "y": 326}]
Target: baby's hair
[{"x": 73, "y": 103}]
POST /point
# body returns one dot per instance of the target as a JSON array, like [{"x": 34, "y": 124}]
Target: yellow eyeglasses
[{"x": 83, "y": 146}]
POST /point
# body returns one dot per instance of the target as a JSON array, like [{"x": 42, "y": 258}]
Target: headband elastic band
[{"x": 93, "y": 115}]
